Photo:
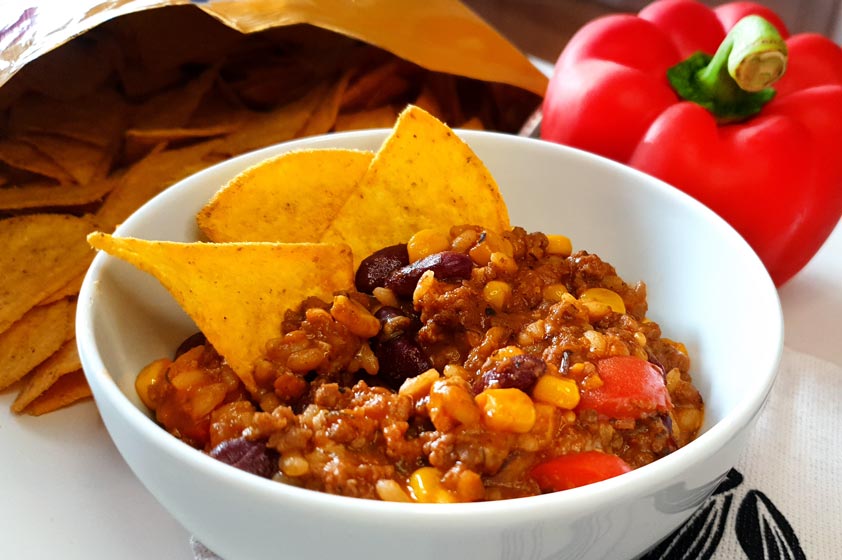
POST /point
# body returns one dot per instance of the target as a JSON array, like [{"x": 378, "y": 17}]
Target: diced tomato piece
[
  {"x": 631, "y": 388},
  {"x": 577, "y": 469}
]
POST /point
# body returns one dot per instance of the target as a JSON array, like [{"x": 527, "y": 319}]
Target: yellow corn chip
[
  {"x": 33, "y": 339},
  {"x": 154, "y": 173},
  {"x": 174, "y": 107},
  {"x": 381, "y": 117},
  {"x": 84, "y": 162},
  {"x": 67, "y": 390},
  {"x": 41, "y": 253},
  {"x": 290, "y": 198},
  {"x": 71, "y": 289},
  {"x": 237, "y": 293},
  {"x": 98, "y": 118},
  {"x": 25, "y": 156},
  {"x": 324, "y": 116},
  {"x": 47, "y": 195},
  {"x": 64, "y": 361},
  {"x": 278, "y": 125},
  {"x": 423, "y": 177}
]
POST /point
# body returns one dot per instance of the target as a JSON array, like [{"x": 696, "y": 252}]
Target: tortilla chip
[
  {"x": 423, "y": 177},
  {"x": 371, "y": 88},
  {"x": 84, "y": 162},
  {"x": 174, "y": 107},
  {"x": 381, "y": 117},
  {"x": 155, "y": 135},
  {"x": 33, "y": 339},
  {"x": 42, "y": 194},
  {"x": 22, "y": 155},
  {"x": 237, "y": 293},
  {"x": 150, "y": 176},
  {"x": 98, "y": 118},
  {"x": 289, "y": 198},
  {"x": 67, "y": 390},
  {"x": 71, "y": 289},
  {"x": 324, "y": 116},
  {"x": 261, "y": 129},
  {"x": 64, "y": 361},
  {"x": 41, "y": 253}
]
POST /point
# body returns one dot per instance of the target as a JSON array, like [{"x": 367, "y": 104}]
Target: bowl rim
[{"x": 664, "y": 472}]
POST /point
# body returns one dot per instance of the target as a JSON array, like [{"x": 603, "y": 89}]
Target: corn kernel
[
  {"x": 390, "y": 490},
  {"x": 689, "y": 419},
  {"x": 557, "y": 391},
  {"x": 426, "y": 486},
  {"x": 640, "y": 338},
  {"x": 489, "y": 242},
  {"x": 506, "y": 352},
  {"x": 148, "y": 377},
  {"x": 451, "y": 404},
  {"x": 604, "y": 296},
  {"x": 469, "y": 487},
  {"x": 205, "y": 399},
  {"x": 354, "y": 316},
  {"x": 188, "y": 378},
  {"x": 554, "y": 292},
  {"x": 426, "y": 242},
  {"x": 419, "y": 386},
  {"x": 503, "y": 263},
  {"x": 497, "y": 294},
  {"x": 507, "y": 410},
  {"x": 559, "y": 245}
]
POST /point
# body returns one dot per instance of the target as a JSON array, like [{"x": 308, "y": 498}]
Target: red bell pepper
[
  {"x": 631, "y": 388},
  {"x": 577, "y": 469},
  {"x": 768, "y": 161}
]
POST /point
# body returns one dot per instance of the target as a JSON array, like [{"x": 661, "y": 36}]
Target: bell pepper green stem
[{"x": 734, "y": 83}]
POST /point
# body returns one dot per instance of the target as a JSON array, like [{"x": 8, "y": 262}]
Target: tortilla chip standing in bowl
[
  {"x": 423, "y": 177},
  {"x": 237, "y": 293},
  {"x": 292, "y": 198}
]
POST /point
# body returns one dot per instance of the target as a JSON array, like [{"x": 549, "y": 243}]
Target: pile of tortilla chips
[
  {"x": 293, "y": 226},
  {"x": 91, "y": 131}
]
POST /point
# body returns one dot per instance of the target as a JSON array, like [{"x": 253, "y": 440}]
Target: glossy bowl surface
[{"x": 706, "y": 288}]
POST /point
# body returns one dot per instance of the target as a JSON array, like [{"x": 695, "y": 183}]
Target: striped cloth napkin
[{"x": 782, "y": 500}]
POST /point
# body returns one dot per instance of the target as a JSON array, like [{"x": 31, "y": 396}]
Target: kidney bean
[
  {"x": 192, "y": 341},
  {"x": 400, "y": 358},
  {"x": 251, "y": 456},
  {"x": 447, "y": 265},
  {"x": 518, "y": 372},
  {"x": 375, "y": 268}
]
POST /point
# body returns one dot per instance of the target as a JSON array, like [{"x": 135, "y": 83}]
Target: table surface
[{"x": 67, "y": 493}]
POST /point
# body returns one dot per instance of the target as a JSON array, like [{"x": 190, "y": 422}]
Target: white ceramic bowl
[{"x": 706, "y": 288}]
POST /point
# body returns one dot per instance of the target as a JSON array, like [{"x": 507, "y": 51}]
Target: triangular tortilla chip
[
  {"x": 33, "y": 339},
  {"x": 423, "y": 177},
  {"x": 237, "y": 293},
  {"x": 41, "y": 253},
  {"x": 64, "y": 361},
  {"x": 67, "y": 390},
  {"x": 290, "y": 198}
]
